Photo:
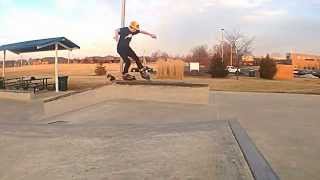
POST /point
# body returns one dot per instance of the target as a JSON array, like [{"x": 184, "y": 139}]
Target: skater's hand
[
  {"x": 148, "y": 34},
  {"x": 153, "y": 36}
]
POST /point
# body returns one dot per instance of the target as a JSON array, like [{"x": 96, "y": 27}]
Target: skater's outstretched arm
[
  {"x": 149, "y": 34},
  {"x": 116, "y": 35}
]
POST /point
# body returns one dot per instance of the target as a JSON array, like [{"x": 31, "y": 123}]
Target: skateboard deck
[{"x": 112, "y": 78}]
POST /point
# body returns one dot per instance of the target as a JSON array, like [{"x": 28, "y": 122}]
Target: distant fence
[{"x": 170, "y": 69}]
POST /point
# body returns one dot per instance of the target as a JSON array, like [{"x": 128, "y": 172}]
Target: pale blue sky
[{"x": 278, "y": 25}]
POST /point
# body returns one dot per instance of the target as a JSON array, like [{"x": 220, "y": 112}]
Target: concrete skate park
[{"x": 139, "y": 131}]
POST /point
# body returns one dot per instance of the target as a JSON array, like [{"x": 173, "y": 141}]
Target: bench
[
  {"x": 36, "y": 87},
  {"x": 13, "y": 83}
]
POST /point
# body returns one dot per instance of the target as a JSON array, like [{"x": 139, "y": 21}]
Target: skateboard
[{"x": 112, "y": 78}]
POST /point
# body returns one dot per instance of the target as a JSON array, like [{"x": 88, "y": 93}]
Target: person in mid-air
[{"x": 123, "y": 36}]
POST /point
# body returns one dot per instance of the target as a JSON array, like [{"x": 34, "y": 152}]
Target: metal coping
[
  {"x": 259, "y": 166},
  {"x": 161, "y": 83}
]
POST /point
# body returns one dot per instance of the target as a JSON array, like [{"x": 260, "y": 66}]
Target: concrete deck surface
[
  {"x": 123, "y": 139},
  {"x": 284, "y": 127}
]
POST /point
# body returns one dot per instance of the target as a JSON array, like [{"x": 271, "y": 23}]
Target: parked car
[
  {"x": 250, "y": 72},
  {"x": 296, "y": 71},
  {"x": 232, "y": 69},
  {"x": 316, "y": 73},
  {"x": 309, "y": 71},
  {"x": 301, "y": 72},
  {"x": 304, "y": 72}
]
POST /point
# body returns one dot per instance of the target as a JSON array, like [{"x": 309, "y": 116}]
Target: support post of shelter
[
  {"x": 21, "y": 62},
  {"x": 56, "y": 68},
  {"x": 69, "y": 52},
  {"x": 123, "y": 22},
  {"x": 3, "y": 64}
]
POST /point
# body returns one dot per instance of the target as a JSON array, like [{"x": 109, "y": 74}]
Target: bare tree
[
  {"x": 188, "y": 58},
  {"x": 239, "y": 41},
  {"x": 159, "y": 54},
  {"x": 217, "y": 51},
  {"x": 200, "y": 54},
  {"x": 240, "y": 45}
]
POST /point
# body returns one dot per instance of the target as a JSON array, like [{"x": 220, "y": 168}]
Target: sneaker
[
  {"x": 111, "y": 77},
  {"x": 128, "y": 77},
  {"x": 144, "y": 74}
]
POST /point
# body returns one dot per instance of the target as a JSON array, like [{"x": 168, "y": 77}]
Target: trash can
[
  {"x": 2, "y": 86},
  {"x": 63, "y": 83},
  {"x": 252, "y": 73}
]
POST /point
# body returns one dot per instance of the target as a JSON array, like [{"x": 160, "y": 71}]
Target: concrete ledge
[
  {"x": 16, "y": 95},
  {"x": 61, "y": 95},
  {"x": 170, "y": 94},
  {"x": 259, "y": 166}
]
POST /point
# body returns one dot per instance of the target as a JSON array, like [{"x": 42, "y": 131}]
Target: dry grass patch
[
  {"x": 303, "y": 86},
  {"x": 170, "y": 69}
]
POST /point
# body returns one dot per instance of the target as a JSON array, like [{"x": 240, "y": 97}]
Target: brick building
[
  {"x": 248, "y": 60},
  {"x": 304, "y": 61}
]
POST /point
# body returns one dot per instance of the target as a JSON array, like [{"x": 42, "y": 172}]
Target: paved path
[{"x": 284, "y": 127}]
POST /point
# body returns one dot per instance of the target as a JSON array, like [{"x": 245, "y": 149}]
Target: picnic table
[
  {"x": 28, "y": 83},
  {"x": 35, "y": 83}
]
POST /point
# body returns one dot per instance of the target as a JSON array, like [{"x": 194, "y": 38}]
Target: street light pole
[
  {"x": 237, "y": 60},
  {"x": 231, "y": 54},
  {"x": 222, "y": 44},
  {"x": 123, "y": 23},
  {"x": 123, "y": 13},
  {"x": 4, "y": 63}
]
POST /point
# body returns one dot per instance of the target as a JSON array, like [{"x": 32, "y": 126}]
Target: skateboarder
[{"x": 123, "y": 36}]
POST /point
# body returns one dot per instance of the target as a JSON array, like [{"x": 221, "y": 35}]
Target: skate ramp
[{"x": 160, "y": 92}]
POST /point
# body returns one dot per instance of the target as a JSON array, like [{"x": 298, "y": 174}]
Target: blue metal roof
[{"x": 40, "y": 45}]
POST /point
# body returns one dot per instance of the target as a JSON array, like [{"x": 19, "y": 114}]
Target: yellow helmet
[{"x": 135, "y": 26}]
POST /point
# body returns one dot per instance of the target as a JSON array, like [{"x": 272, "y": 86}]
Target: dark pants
[{"x": 125, "y": 53}]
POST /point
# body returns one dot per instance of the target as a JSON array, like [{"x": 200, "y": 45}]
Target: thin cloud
[
  {"x": 244, "y": 3},
  {"x": 265, "y": 15},
  {"x": 180, "y": 24}
]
